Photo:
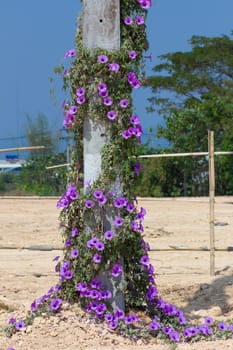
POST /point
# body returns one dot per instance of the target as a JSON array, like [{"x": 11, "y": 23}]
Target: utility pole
[{"x": 101, "y": 28}]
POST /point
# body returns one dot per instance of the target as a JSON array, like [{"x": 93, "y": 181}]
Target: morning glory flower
[
  {"x": 114, "y": 67},
  {"x": 95, "y": 283},
  {"x": 126, "y": 134},
  {"x": 102, "y": 87},
  {"x": 118, "y": 221},
  {"x": 140, "y": 20},
  {"x": 68, "y": 274},
  {"x": 111, "y": 115},
  {"x": 107, "y": 101},
  {"x": 19, "y": 325},
  {"x": 145, "y": 260},
  {"x": 73, "y": 110},
  {"x": 74, "y": 232},
  {"x": 124, "y": 103},
  {"x": 81, "y": 99},
  {"x": 70, "y": 53},
  {"x": 145, "y": 4},
  {"x": 134, "y": 119},
  {"x": 74, "y": 253},
  {"x": 97, "y": 258},
  {"x": 116, "y": 270},
  {"x": 103, "y": 93},
  {"x": 89, "y": 204},
  {"x": 222, "y": 326},
  {"x": 108, "y": 235},
  {"x": 102, "y": 200},
  {"x": 99, "y": 246},
  {"x": 154, "y": 325},
  {"x": 80, "y": 91},
  {"x": 102, "y": 59},
  {"x": 132, "y": 54},
  {"x": 12, "y": 320},
  {"x": 130, "y": 207},
  {"x": 98, "y": 194},
  {"x": 128, "y": 21},
  {"x": 209, "y": 320},
  {"x": 56, "y": 304}
]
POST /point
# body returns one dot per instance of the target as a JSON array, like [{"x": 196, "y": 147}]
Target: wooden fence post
[{"x": 211, "y": 200}]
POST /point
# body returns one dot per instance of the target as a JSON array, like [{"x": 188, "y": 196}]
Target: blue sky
[{"x": 34, "y": 36}]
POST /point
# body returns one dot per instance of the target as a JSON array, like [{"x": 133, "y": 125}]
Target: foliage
[
  {"x": 39, "y": 134},
  {"x": 198, "y": 91},
  {"x": 35, "y": 179}
]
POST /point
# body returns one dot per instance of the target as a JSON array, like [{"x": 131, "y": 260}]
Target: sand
[{"x": 30, "y": 239}]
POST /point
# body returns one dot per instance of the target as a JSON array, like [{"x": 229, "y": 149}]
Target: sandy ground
[{"x": 29, "y": 229}]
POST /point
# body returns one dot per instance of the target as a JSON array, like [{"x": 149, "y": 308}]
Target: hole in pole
[{"x": 101, "y": 20}]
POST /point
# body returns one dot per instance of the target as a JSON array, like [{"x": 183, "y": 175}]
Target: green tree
[
  {"x": 194, "y": 92},
  {"x": 39, "y": 134},
  {"x": 35, "y": 179}
]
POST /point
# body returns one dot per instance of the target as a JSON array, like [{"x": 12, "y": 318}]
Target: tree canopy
[{"x": 194, "y": 92}]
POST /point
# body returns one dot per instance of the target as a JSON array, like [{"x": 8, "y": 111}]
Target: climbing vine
[{"x": 100, "y": 84}]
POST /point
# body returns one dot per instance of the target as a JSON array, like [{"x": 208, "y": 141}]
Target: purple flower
[
  {"x": 19, "y": 325},
  {"x": 126, "y": 134},
  {"x": 81, "y": 286},
  {"x": 151, "y": 293},
  {"x": 124, "y": 103},
  {"x": 130, "y": 207},
  {"x": 128, "y": 21},
  {"x": 145, "y": 260},
  {"x": 108, "y": 317},
  {"x": 209, "y": 320},
  {"x": 190, "y": 332},
  {"x": 132, "y": 54},
  {"x": 145, "y": 4},
  {"x": 134, "y": 226},
  {"x": 140, "y": 20},
  {"x": 68, "y": 243},
  {"x": 70, "y": 53},
  {"x": 119, "y": 314},
  {"x": 12, "y": 320},
  {"x": 98, "y": 194},
  {"x": 174, "y": 335},
  {"x": 231, "y": 327},
  {"x": 68, "y": 274},
  {"x": 74, "y": 232},
  {"x": 222, "y": 326},
  {"x": 97, "y": 258},
  {"x": 154, "y": 325},
  {"x": 114, "y": 67},
  {"x": 89, "y": 204},
  {"x": 56, "y": 304},
  {"x": 102, "y": 87},
  {"x": 10, "y": 349},
  {"x": 111, "y": 115},
  {"x": 102, "y": 200},
  {"x": 113, "y": 324},
  {"x": 74, "y": 253},
  {"x": 102, "y": 59},
  {"x": 81, "y": 99},
  {"x": 97, "y": 284},
  {"x": 99, "y": 246},
  {"x": 80, "y": 91},
  {"x": 103, "y": 94},
  {"x": 73, "y": 110},
  {"x": 118, "y": 221},
  {"x": 120, "y": 202},
  {"x": 107, "y": 101},
  {"x": 205, "y": 330},
  {"x": 134, "y": 119},
  {"x": 108, "y": 235},
  {"x": 116, "y": 270}
]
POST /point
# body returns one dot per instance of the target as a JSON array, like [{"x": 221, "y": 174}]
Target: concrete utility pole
[{"x": 101, "y": 28}]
